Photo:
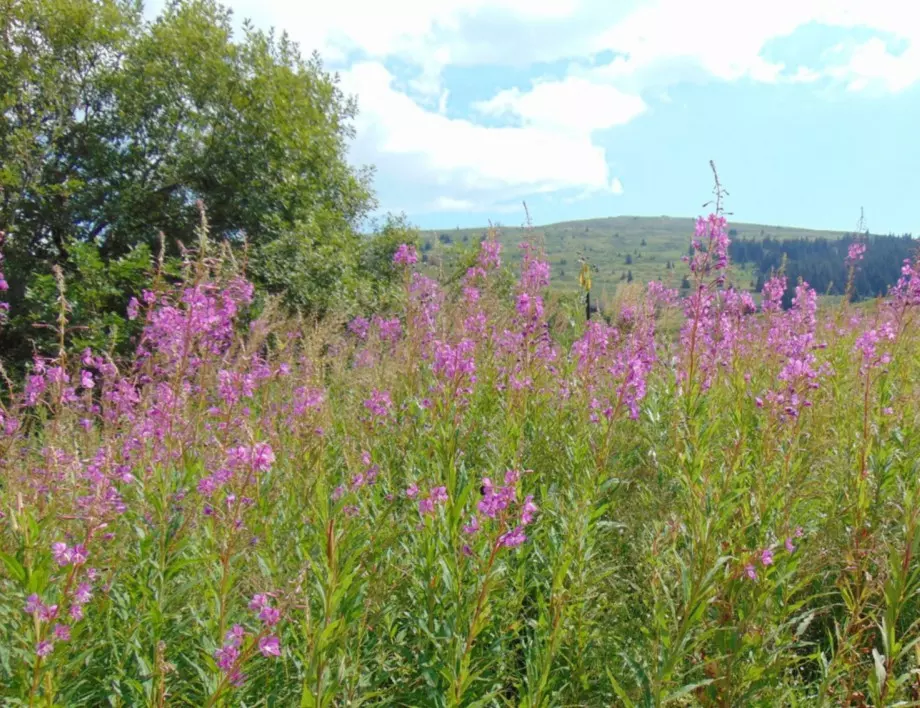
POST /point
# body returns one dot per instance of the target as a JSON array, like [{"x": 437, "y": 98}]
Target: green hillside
[{"x": 616, "y": 246}]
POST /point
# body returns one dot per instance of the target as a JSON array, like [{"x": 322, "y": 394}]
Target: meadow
[
  {"x": 652, "y": 244},
  {"x": 477, "y": 499}
]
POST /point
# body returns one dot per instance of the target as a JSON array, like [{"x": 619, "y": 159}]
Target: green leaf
[{"x": 14, "y": 567}]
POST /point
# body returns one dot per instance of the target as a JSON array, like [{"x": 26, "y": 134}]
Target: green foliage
[
  {"x": 95, "y": 294},
  {"x": 318, "y": 270},
  {"x": 113, "y": 129}
]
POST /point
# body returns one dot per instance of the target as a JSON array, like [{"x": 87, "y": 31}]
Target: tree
[
  {"x": 628, "y": 259},
  {"x": 113, "y": 129}
]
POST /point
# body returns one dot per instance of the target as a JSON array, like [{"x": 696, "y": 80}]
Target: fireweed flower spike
[
  {"x": 405, "y": 255},
  {"x": 855, "y": 253}
]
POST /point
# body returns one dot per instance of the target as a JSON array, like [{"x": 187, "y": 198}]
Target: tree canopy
[{"x": 114, "y": 129}]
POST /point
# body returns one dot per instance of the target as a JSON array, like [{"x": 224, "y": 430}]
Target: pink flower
[
  {"x": 79, "y": 554},
  {"x": 262, "y": 457},
  {"x": 133, "y": 308},
  {"x": 62, "y": 632},
  {"x": 258, "y": 601},
  {"x": 789, "y": 545},
  {"x": 270, "y": 646},
  {"x": 43, "y": 648},
  {"x": 270, "y": 615},
  {"x": 359, "y": 327},
  {"x": 234, "y": 636},
  {"x": 226, "y": 657},
  {"x": 62, "y": 554},
  {"x": 405, "y": 255},
  {"x": 33, "y": 604},
  {"x": 855, "y": 253},
  {"x": 766, "y": 556},
  {"x": 750, "y": 571},
  {"x": 528, "y": 510},
  {"x": 83, "y": 594},
  {"x": 473, "y": 526},
  {"x": 379, "y": 404},
  {"x": 412, "y": 491},
  {"x": 513, "y": 538}
]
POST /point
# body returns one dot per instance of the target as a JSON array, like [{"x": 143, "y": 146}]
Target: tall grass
[{"x": 478, "y": 500}]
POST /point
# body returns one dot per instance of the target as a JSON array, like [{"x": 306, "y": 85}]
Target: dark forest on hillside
[{"x": 822, "y": 262}]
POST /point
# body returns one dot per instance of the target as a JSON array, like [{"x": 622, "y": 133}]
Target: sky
[{"x": 593, "y": 108}]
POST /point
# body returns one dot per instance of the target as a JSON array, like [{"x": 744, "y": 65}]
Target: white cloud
[
  {"x": 458, "y": 159},
  {"x": 451, "y": 204},
  {"x": 725, "y": 39},
  {"x": 426, "y": 159},
  {"x": 871, "y": 63},
  {"x": 572, "y": 105}
]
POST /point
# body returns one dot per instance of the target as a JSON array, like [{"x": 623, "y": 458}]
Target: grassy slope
[{"x": 606, "y": 243}]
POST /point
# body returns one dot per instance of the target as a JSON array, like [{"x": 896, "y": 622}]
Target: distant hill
[{"x": 618, "y": 246}]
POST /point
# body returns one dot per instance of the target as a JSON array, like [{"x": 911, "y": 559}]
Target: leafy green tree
[
  {"x": 113, "y": 128},
  {"x": 318, "y": 273}
]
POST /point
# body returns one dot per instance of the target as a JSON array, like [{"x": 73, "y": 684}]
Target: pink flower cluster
[
  {"x": 868, "y": 344},
  {"x": 249, "y": 460},
  {"x": 501, "y": 504},
  {"x": 455, "y": 367},
  {"x": 380, "y": 404},
  {"x": 405, "y": 255},
  {"x": 855, "y": 253},
  {"x": 4, "y": 286},
  {"x": 710, "y": 245},
  {"x": 76, "y": 597},
  {"x": 766, "y": 555},
  {"x": 65, "y": 555},
  {"x": 199, "y": 326},
  {"x": 436, "y": 497},
  {"x": 230, "y": 656}
]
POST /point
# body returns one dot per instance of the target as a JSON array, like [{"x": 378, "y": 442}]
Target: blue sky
[{"x": 588, "y": 108}]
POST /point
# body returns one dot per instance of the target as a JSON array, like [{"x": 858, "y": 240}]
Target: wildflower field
[{"x": 477, "y": 500}]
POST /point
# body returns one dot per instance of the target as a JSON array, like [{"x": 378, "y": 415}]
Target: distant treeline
[{"x": 822, "y": 262}]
